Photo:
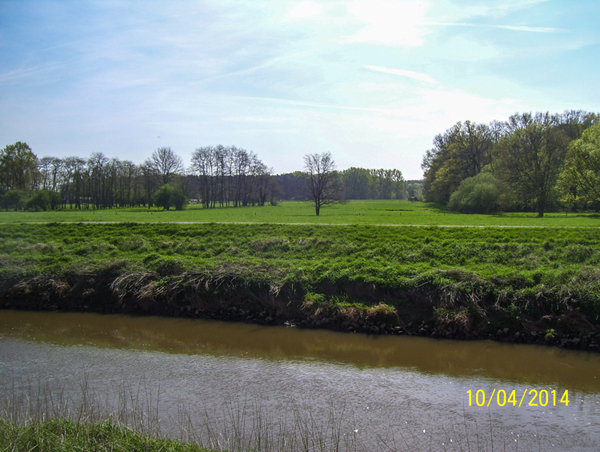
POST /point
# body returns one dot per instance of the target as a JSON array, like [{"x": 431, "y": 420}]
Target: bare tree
[
  {"x": 165, "y": 163},
  {"x": 321, "y": 180},
  {"x": 229, "y": 175}
]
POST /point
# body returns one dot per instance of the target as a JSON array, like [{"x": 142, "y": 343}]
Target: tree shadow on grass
[{"x": 583, "y": 215}]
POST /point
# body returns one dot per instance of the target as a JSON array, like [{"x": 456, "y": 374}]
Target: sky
[{"x": 372, "y": 82}]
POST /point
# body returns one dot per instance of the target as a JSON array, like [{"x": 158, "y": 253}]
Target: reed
[{"x": 45, "y": 417}]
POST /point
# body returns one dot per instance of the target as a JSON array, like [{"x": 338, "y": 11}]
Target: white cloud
[
  {"x": 530, "y": 29},
  {"x": 505, "y": 27},
  {"x": 285, "y": 77},
  {"x": 454, "y": 11},
  {"x": 390, "y": 22},
  {"x": 306, "y": 9},
  {"x": 403, "y": 73}
]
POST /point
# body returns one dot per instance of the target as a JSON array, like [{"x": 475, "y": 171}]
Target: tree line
[
  {"x": 229, "y": 176},
  {"x": 27, "y": 182},
  {"x": 531, "y": 162},
  {"x": 353, "y": 183},
  {"x": 218, "y": 176}
]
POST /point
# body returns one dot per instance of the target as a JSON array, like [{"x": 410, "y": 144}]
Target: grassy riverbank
[
  {"x": 531, "y": 284},
  {"x": 66, "y": 435}
]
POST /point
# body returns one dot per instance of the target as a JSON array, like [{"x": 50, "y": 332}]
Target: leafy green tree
[
  {"x": 357, "y": 183},
  {"x": 162, "y": 197},
  {"x": 461, "y": 152},
  {"x": 179, "y": 197},
  {"x": 39, "y": 201},
  {"x": 477, "y": 194},
  {"x": 44, "y": 200},
  {"x": 13, "y": 199},
  {"x": 169, "y": 196},
  {"x": 530, "y": 158},
  {"x": 580, "y": 178},
  {"x": 361, "y": 183},
  {"x": 18, "y": 167},
  {"x": 575, "y": 122}
]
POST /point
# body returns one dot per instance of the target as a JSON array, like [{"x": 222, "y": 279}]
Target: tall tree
[
  {"x": 165, "y": 163},
  {"x": 97, "y": 178},
  {"x": 461, "y": 152},
  {"x": 228, "y": 175},
  {"x": 580, "y": 179},
  {"x": 18, "y": 168},
  {"x": 321, "y": 180},
  {"x": 77, "y": 173},
  {"x": 530, "y": 157},
  {"x": 357, "y": 183},
  {"x": 574, "y": 122}
]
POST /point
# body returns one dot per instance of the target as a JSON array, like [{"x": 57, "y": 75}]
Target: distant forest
[
  {"x": 356, "y": 183},
  {"x": 218, "y": 176},
  {"x": 531, "y": 162}
]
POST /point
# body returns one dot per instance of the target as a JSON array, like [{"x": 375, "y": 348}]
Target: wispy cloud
[
  {"x": 403, "y": 73},
  {"x": 530, "y": 29},
  {"x": 28, "y": 72},
  {"x": 318, "y": 105},
  {"x": 504, "y": 27},
  {"x": 282, "y": 77}
]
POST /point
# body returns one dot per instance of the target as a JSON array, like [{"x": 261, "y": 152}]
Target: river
[{"x": 274, "y": 388}]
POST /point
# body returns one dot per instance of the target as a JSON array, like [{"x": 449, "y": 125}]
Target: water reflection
[
  {"x": 376, "y": 393},
  {"x": 523, "y": 364}
]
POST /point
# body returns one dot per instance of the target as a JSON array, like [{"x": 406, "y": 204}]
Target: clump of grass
[
  {"x": 67, "y": 435},
  {"x": 45, "y": 418}
]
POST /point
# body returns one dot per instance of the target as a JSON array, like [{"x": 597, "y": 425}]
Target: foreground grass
[
  {"x": 453, "y": 281},
  {"x": 353, "y": 212},
  {"x": 64, "y": 435}
]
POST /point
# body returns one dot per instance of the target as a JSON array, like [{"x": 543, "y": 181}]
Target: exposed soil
[{"x": 421, "y": 311}]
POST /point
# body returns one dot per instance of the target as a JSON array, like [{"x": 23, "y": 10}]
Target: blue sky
[{"x": 372, "y": 82}]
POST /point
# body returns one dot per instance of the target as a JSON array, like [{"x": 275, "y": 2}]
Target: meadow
[
  {"x": 294, "y": 212},
  {"x": 519, "y": 283}
]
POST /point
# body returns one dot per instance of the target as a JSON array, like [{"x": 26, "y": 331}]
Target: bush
[
  {"x": 169, "y": 195},
  {"x": 478, "y": 194},
  {"x": 40, "y": 201},
  {"x": 13, "y": 199}
]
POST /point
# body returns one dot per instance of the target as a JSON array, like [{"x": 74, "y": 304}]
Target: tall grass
[
  {"x": 62, "y": 434},
  {"x": 43, "y": 418}
]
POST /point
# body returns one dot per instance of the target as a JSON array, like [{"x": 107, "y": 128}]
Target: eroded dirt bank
[{"x": 450, "y": 304}]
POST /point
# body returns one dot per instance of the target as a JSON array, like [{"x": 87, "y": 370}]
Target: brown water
[{"x": 376, "y": 393}]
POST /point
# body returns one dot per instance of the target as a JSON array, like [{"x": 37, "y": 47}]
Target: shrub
[
  {"x": 44, "y": 200},
  {"x": 169, "y": 195},
  {"x": 13, "y": 199},
  {"x": 478, "y": 194}
]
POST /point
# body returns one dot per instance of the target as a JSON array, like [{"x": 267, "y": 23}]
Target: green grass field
[
  {"x": 352, "y": 212},
  {"x": 53, "y": 247}
]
